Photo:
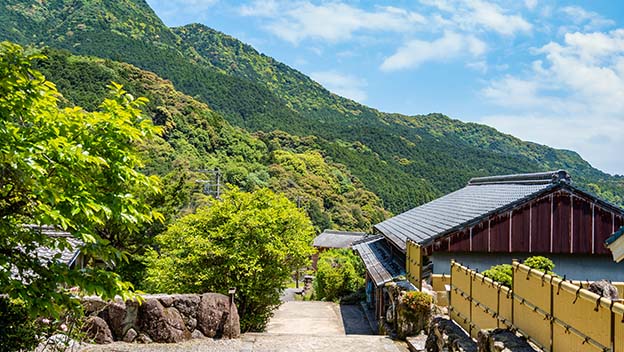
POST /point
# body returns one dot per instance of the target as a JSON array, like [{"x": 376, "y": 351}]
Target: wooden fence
[{"x": 556, "y": 315}]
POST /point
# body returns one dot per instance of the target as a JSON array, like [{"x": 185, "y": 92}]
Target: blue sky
[{"x": 551, "y": 72}]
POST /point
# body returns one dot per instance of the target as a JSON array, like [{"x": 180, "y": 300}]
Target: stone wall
[{"x": 161, "y": 318}]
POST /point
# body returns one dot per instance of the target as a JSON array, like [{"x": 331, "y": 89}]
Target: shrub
[
  {"x": 540, "y": 263},
  {"x": 17, "y": 331},
  {"x": 417, "y": 303},
  {"x": 503, "y": 273},
  {"x": 251, "y": 241},
  {"x": 500, "y": 273},
  {"x": 340, "y": 273}
]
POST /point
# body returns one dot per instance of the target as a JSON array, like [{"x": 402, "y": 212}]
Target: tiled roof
[
  {"x": 379, "y": 262},
  {"x": 337, "y": 239},
  {"x": 617, "y": 234},
  {"x": 480, "y": 198},
  {"x": 68, "y": 256}
]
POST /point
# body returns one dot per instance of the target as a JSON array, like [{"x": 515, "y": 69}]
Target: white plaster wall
[{"x": 574, "y": 266}]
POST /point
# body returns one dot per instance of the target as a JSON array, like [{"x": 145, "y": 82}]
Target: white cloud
[
  {"x": 333, "y": 21},
  {"x": 577, "y": 90},
  {"x": 588, "y": 20},
  {"x": 416, "y": 52},
  {"x": 345, "y": 85},
  {"x": 474, "y": 15},
  {"x": 264, "y": 8},
  {"x": 530, "y": 4}
]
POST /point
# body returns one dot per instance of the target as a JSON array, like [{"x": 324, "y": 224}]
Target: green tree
[
  {"x": 68, "y": 168},
  {"x": 251, "y": 241},
  {"x": 339, "y": 273}
]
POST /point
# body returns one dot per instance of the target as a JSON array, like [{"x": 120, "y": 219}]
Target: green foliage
[
  {"x": 195, "y": 137},
  {"x": 17, "y": 331},
  {"x": 339, "y": 273},
  {"x": 251, "y": 241},
  {"x": 503, "y": 273},
  {"x": 540, "y": 263},
  {"x": 71, "y": 169},
  {"x": 500, "y": 273},
  {"x": 405, "y": 160},
  {"x": 418, "y": 303}
]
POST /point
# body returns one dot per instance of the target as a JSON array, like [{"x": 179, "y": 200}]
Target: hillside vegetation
[
  {"x": 198, "y": 138},
  {"x": 405, "y": 160}
]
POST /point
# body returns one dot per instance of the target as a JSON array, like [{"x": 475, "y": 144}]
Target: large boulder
[
  {"x": 97, "y": 330},
  {"x": 162, "y": 324},
  {"x": 187, "y": 305},
  {"x": 604, "y": 288},
  {"x": 497, "y": 340},
  {"x": 445, "y": 335},
  {"x": 93, "y": 305},
  {"x": 216, "y": 317}
]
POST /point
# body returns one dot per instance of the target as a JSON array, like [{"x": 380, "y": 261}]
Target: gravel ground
[{"x": 267, "y": 343}]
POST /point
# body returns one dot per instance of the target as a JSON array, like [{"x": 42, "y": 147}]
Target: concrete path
[
  {"x": 308, "y": 318},
  {"x": 254, "y": 342}
]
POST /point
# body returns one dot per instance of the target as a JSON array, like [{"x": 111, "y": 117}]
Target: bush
[
  {"x": 251, "y": 241},
  {"x": 503, "y": 273},
  {"x": 500, "y": 273},
  {"x": 339, "y": 273},
  {"x": 417, "y": 303},
  {"x": 17, "y": 331},
  {"x": 540, "y": 263}
]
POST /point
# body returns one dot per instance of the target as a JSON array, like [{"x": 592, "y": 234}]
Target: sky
[{"x": 550, "y": 72}]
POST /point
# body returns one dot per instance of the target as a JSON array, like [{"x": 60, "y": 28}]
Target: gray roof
[
  {"x": 68, "y": 255},
  {"x": 337, "y": 239},
  {"x": 381, "y": 265},
  {"x": 482, "y": 197}
]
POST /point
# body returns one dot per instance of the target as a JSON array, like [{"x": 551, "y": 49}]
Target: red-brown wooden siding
[{"x": 563, "y": 218}]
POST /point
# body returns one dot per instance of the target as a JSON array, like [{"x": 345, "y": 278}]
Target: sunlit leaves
[
  {"x": 251, "y": 241},
  {"x": 71, "y": 169}
]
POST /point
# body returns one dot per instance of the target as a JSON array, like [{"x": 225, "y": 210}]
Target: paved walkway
[
  {"x": 267, "y": 343},
  {"x": 308, "y": 318}
]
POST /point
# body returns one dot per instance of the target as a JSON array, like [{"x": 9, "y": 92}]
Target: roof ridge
[{"x": 537, "y": 178}]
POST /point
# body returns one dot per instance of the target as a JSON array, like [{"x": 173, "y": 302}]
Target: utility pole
[{"x": 212, "y": 186}]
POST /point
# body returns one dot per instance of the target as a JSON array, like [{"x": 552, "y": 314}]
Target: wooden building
[
  {"x": 496, "y": 219},
  {"x": 333, "y": 239},
  {"x": 382, "y": 267},
  {"x": 615, "y": 243}
]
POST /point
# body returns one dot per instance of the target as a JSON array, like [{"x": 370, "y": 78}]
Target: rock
[
  {"x": 197, "y": 335},
  {"x": 162, "y": 324},
  {"x": 93, "y": 305},
  {"x": 97, "y": 330},
  {"x": 191, "y": 323},
  {"x": 143, "y": 338},
  {"x": 604, "y": 288},
  {"x": 130, "y": 335},
  {"x": 115, "y": 314},
  {"x": 166, "y": 301},
  {"x": 216, "y": 318},
  {"x": 187, "y": 304},
  {"x": 445, "y": 335},
  {"x": 498, "y": 340}
]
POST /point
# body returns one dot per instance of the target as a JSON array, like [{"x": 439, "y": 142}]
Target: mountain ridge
[{"x": 406, "y": 160}]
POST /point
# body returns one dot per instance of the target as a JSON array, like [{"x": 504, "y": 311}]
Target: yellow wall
[
  {"x": 557, "y": 315},
  {"x": 414, "y": 264}
]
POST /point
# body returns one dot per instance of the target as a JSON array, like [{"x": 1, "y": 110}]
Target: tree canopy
[
  {"x": 250, "y": 241},
  {"x": 70, "y": 169}
]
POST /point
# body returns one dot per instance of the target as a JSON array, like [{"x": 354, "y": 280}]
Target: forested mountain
[
  {"x": 405, "y": 160},
  {"x": 195, "y": 137}
]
